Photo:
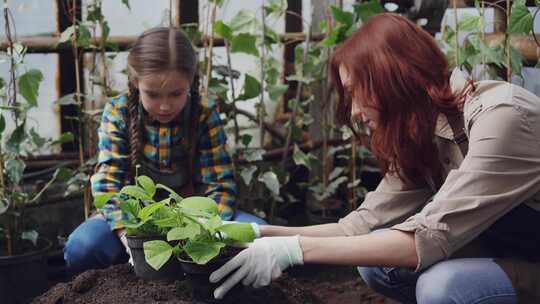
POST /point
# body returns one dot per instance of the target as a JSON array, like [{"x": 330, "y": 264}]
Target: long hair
[
  {"x": 397, "y": 69},
  {"x": 157, "y": 50}
]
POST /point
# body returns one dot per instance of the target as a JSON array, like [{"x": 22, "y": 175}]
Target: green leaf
[
  {"x": 521, "y": 20},
  {"x": 29, "y": 85},
  {"x": 471, "y": 23},
  {"x": 130, "y": 207},
  {"x": 276, "y": 91},
  {"x": 4, "y": 205},
  {"x": 254, "y": 155},
  {"x": 367, "y": 9},
  {"x": 17, "y": 137},
  {"x": 244, "y": 21},
  {"x": 201, "y": 252},
  {"x": 277, "y": 7},
  {"x": 133, "y": 224},
  {"x": 213, "y": 223},
  {"x": 244, "y": 43},
  {"x": 64, "y": 138},
  {"x": 223, "y": 30},
  {"x": 31, "y": 236},
  {"x": 335, "y": 173},
  {"x": 168, "y": 222},
  {"x": 2, "y": 124},
  {"x": 15, "y": 169},
  {"x": 101, "y": 199},
  {"x": 245, "y": 139},
  {"x": 147, "y": 184},
  {"x": 157, "y": 253},
  {"x": 332, "y": 187},
  {"x": 252, "y": 88},
  {"x": 83, "y": 36},
  {"x": 172, "y": 193},
  {"x": 200, "y": 203},
  {"x": 147, "y": 211},
  {"x": 271, "y": 182},
  {"x": 302, "y": 159},
  {"x": 181, "y": 233},
  {"x": 491, "y": 54},
  {"x": 136, "y": 192},
  {"x": 449, "y": 35},
  {"x": 68, "y": 99},
  {"x": 247, "y": 174},
  {"x": 106, "y": 30},
  {"x": 242, "y": 232},
  {"x": 516, "y": 60},
  {"x": 342, "y": 16},
  {"x": 126, "y": 3},
  {"x": 66, "y": 35},
  {"x": 36, "y": 138}
]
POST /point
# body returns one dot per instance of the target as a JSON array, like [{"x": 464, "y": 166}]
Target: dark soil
[{"x": 119, "y": 285}]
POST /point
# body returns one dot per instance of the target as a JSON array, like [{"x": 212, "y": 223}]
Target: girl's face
[
  {"x": 164, "y": 95},
  {"x": 369, "y": 116}
]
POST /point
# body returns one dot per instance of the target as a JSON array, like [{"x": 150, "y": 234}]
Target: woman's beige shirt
[{"x": 500, "y": 171}]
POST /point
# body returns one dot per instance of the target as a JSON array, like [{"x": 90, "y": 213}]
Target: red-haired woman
[{"x": 458, "y": 209}]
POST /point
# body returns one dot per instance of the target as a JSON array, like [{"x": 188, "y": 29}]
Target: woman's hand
[{"x": 260, "y": 263}]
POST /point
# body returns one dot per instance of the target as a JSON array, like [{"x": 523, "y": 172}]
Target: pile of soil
[{"x": 118, "y": 284}]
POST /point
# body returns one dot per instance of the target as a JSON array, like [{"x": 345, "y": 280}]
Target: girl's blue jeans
[
  {"x": 93, "y": 245},
  {"x": 456, "y": 281}
]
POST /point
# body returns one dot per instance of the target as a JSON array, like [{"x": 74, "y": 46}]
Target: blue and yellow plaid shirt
[{"x": 213, "y": 170}]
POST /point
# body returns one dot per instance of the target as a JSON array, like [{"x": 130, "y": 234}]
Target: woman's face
[
  {"x": 369, "y": 116},
  {"x": 164, "y": 95}
]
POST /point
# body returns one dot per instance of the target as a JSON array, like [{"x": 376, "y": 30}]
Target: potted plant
[
  {"x": 23, "y": 251},
  {"x": 147, "y": 219},
  {"x": 201, "y": 243}
]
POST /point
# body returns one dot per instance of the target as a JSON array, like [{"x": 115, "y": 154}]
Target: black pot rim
[{"x": 27, "y": 256}]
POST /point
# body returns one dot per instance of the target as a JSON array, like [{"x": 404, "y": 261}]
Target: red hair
[{"x": 398, "y": 69}]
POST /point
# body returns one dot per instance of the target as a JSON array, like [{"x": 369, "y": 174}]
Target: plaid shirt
[{"x": 213, "y": 170}]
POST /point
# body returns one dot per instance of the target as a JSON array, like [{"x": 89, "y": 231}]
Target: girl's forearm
[{"x": 388, "y": 248}]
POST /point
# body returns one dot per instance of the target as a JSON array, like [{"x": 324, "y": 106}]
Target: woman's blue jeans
[
  {"x": 455, "y": 281},
  {"x": 93, "y": 245}
]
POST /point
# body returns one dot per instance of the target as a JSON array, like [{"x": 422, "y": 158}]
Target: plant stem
[
  {"x": 12, "y": 100},
  {"x": 507, "y": 41},
  {"x": 79, "y": 102},
  {"x": 262, "y": 108},
  {"x": 457, "y": 32},
  {"x": 292, "y": 119},
  {"x": 352, "y": 203},
  {"x": 210, "y": 48},
  {"x": 233, "y": 93}
]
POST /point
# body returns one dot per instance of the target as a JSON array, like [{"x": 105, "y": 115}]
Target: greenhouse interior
[{"x": 269, "y": 151}]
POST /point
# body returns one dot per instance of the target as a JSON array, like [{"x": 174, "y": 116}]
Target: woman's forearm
[
  {"x": 325, "y": 230},
  {"x": 386, "y": 248}
]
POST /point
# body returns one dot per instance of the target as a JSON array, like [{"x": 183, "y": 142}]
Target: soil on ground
[{"x": 118, "y": 284}]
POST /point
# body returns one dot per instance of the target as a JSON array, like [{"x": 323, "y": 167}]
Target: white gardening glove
[
  {"x": 122, "y": 235},
  {"x": 260, "y": 263}
]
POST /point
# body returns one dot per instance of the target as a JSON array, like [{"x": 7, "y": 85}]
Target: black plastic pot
[
  {"x": 202, "y": 290},
  {"x": 171, "y": 271},
  {"x": 24, "y": 276}
]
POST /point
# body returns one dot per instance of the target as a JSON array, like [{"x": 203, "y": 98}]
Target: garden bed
[{"x": 119, "y": 285}]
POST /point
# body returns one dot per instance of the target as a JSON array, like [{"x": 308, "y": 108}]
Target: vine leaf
[{"x": 29, "y": 85}]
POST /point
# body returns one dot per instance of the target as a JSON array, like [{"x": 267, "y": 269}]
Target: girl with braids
[
  {"x": 458, "y": 210},
  {"x": 162, "y": 129}
]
